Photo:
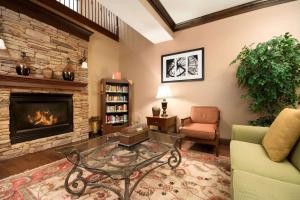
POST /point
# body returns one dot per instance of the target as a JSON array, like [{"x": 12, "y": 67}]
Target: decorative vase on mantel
[
  {"x": 47, "y": 73},
  {"x": 23, "y": 68},
  {"x": 68, "y": 72}
]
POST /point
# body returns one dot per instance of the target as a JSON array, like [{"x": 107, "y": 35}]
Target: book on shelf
[
  {"x": 112, "y": 119},
  {"x": 116, "y": 88},
  {"x": 117, "y": 108},
  {"x": 114, "y": 98}
]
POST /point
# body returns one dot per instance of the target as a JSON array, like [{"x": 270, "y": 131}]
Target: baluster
[
  {"x": 95, "y": 14},
  {"x": 105, "y": 11},
  {"x": 113, "y": 23},
  {"x": 88, "y": 9},
  {"x": 108, "y": 21},
  {"x": 117, "y": 32},
  {"x": 80, "y": 1},
  {"x": 92, "y": 10},
  {"x": 98, "y": 11},
  {"x": 101, "y": 18},
  {"x": 85, "y": 8}
]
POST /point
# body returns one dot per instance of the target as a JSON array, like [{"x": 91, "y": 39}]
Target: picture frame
[{"x": 183, "y": 66}]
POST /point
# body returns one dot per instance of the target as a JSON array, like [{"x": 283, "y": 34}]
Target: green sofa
[{"x": 254, "y": 175}]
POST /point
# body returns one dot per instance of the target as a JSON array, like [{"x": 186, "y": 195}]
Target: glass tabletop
[{"x": 104, "y": 154}]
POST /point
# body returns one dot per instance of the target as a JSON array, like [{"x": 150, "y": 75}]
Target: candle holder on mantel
[{"x": 68, "y": 72}]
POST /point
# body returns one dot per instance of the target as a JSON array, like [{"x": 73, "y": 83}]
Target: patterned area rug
[{"x": 199, "y": 176}]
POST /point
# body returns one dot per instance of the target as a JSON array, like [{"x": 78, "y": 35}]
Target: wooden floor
[{"x": 20, "y": 164}]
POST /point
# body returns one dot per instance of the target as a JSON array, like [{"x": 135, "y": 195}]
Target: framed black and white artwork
[{"x": 183, "y": 66}]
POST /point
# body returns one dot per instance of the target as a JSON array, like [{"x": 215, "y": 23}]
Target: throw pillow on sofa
[{"x": 283, "y": 134}]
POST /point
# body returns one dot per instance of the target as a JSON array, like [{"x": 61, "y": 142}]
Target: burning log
[{"x": 44, "y": 118}]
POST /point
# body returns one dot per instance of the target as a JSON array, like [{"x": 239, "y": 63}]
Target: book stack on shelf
[
  {"x": 116, "y": 89},
  {"x": 116, "y": 108},
  {"x": 116, "y": 119},
  {"x": 115, "y": 105},
  {"x": 114, "y": 98}
]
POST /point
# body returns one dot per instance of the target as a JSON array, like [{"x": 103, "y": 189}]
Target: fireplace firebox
[{"x": 34, "y": 116}]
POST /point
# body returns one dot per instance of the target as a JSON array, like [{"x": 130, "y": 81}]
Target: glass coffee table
[{"x": 105, "y": 157}]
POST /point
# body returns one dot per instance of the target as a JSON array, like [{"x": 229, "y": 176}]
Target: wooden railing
[{"x": 94, "y": 11}]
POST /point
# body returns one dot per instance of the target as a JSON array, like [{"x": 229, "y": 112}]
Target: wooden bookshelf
[{"x": 115, "y": 105}]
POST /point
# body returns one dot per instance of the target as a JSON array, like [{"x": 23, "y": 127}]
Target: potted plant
[{"x": 271, "y": 74}]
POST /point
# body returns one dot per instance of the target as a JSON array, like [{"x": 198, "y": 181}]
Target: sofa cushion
[
  {"x": 295, "y": 155},
  {"x": 205, "y": 115},
  {"x": 200, "y": 131},
  {"x": 283, "y": 134},
  {"x": 253, "y": 158},
  {"x": 248, "y": 186}
]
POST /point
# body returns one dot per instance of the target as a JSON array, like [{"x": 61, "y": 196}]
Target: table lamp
[{"x": 162, "y": 93}]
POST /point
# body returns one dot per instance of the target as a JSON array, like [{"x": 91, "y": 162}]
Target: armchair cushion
[
  {"x": 205, "y": 114},
  {"x": 200, "y": 131}
]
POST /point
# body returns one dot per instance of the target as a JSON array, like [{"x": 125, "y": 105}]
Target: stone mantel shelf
[{"x": 31, "y": 82}]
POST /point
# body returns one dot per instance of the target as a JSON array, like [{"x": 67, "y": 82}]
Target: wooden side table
[{"x": 164, "y": 123}]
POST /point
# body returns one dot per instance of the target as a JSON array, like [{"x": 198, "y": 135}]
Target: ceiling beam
[
  {"x": 236, "y": 10},
  {"x": 162, "y": 12}
]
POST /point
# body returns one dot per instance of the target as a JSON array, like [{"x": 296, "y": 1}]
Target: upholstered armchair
[{"x": 202, "y": 126}]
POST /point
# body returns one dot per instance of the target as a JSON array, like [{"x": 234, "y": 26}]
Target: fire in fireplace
[
  {"x": 43, "y": 118},
  {"x": 34, "y": 116}
]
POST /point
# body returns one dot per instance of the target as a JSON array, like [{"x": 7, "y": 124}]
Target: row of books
[
  {"x": 112, "y": 119},
  {"x": 116, "y": 108},
  {"x": 116, "y": 98},
  {"x": 116, "y": 88}
]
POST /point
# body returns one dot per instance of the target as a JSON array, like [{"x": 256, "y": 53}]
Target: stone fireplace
[
  {"x": 34, "y": 116},
  {"x": 38, "y": 113},
  {"x": 52, "y": 135}
]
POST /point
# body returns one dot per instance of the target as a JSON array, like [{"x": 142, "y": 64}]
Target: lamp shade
[
  {"x": 163, "y": 92},
  {"x": 84, "y": 65},
  {"x": 2, "y": 44}
]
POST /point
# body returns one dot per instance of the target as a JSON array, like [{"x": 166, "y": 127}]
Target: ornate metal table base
[{"x": 78, "y": 185}]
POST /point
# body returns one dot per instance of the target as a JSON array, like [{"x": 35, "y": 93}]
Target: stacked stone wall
[{"x": 46, "y": 47}]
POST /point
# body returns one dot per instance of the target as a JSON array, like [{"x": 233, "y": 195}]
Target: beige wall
[
  {"x": 222, "y": 40},
  {"x": 103, "y": 60}
]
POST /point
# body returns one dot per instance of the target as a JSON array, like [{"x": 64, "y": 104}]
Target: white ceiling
[
  {"x": 138, "y": 16},
  {"x": 183, "y": 10}
]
